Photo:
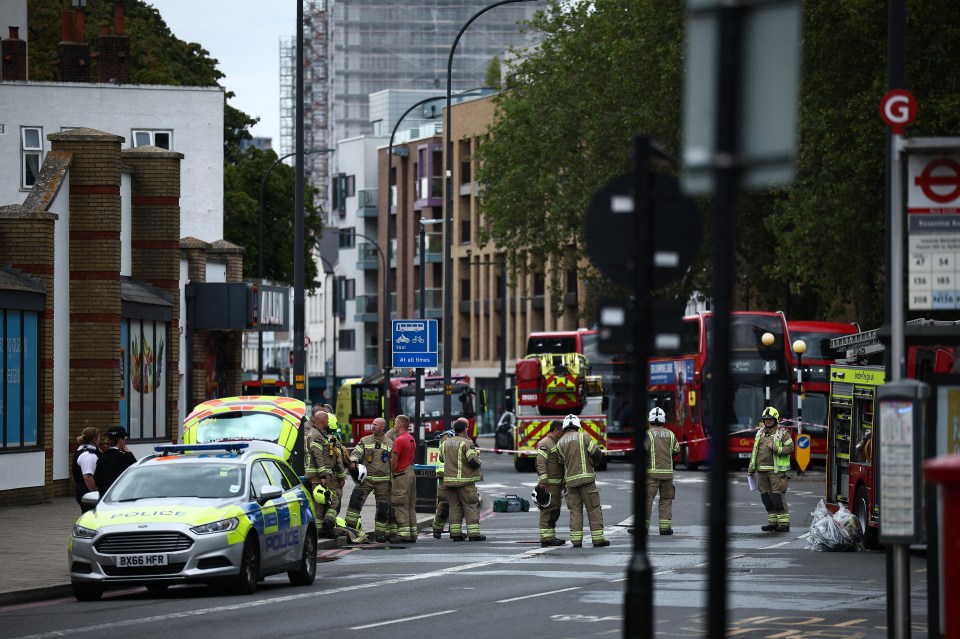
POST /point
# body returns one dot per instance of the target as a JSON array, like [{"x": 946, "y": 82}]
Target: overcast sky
[{"x": 244, "y": 36}]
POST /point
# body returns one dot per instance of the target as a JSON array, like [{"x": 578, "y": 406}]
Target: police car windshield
[
  {"x": 237, "y": 425},
  {"x": 214, "y": 480}
]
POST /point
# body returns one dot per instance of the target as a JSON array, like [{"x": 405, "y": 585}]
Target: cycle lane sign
[{"x": 414, "y": 344}]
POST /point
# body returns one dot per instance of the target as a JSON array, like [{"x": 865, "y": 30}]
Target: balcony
[
  {"x": 434, "y": 248},
  {"x": 434, "y": 303},
  {"x": 429, "y": 192},
  {"x": 368, "y": 257},
  {"x": 367, "y": 308},
  {"x": 367, "y": 203},
  {"x": 370, "y": 365}
]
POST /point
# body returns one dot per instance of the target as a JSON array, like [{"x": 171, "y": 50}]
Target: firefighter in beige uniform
[
  {"x": 549, "y": 483},
  {"x": 461, "y": 472},
  {"x": 374, "y": 452},
  {"x": 310, "y": 434},
  {"x": 661, "y": 446},
  {"x": 579, "y": 454},
  {"x": 326, "y": 453},
  {"x": 443, "y": 506},
  {"x": 771, "y": 461}
]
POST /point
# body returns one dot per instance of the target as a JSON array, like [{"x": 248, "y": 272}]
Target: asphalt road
[{"x": 510, "y": 587}]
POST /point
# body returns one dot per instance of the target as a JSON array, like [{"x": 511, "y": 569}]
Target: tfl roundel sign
[{"x": 898, "y": 108}]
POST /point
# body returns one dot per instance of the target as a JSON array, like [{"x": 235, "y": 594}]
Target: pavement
[{"x": 33, "y": 548}]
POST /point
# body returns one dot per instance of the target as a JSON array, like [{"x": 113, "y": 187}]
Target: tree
[
  {"x": 158, "y": 57},
  {"x": 492, "y": 76},
  {"x": 604, "y": 72},
  {"x": 608, "y": 70}
]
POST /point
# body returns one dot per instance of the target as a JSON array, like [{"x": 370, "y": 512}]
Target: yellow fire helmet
[{"x": 770, "y": 413}]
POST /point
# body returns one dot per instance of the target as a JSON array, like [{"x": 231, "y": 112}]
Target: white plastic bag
[{"x": 834, "y": 533}]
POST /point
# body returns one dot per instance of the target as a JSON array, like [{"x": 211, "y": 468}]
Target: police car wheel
[
  {"x": 249, "y": 574},
  {"x": 307, "y": 571},
  {"x": 87, "y": 592}
]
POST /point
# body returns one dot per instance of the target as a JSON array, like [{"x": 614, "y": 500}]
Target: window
[
  {"x": 348, "y": 340},
  {"x": 347, "y": 237},
  {"x": 159, "y": 139},
  {"x": 258, "y": 479},
  {"x": 349, "y": 289},
  {"x": 143, "y": 382},
  {"x": 19, "y": 399},
  {"x": 350, "y": 186},
  {"x": 31, "y": 155}
]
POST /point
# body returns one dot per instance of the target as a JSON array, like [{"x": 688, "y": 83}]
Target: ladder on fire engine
[{"x": 859, "y": 345}]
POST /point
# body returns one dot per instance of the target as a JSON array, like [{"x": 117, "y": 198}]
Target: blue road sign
[{"x": 414, "y": 344}]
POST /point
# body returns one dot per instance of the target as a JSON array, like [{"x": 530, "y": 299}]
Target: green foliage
[
  {"x": 242, "y": 182},
  {"x": 492, "y": 76},
  {"x": 604, "y": 72},
  {"x": 158, "y": 57},
  {"x": 611, "y": 69}
]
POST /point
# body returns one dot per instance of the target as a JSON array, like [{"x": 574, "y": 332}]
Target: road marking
[
  {"x": 539, "y": 594},
  {"x": 852, "y": 622},
  {"x": 393, "y": 621}
]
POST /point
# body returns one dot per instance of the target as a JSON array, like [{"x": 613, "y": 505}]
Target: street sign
[
  {"x": 898, "y": 108},
  {"x": 933, "y": 227},
  {"x": 609, "y": 230},
  {"x": 414, "y": 344},
  {"x": 802, "y": 451}
]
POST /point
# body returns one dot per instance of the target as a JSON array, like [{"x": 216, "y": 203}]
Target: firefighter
[
  {"x": 579, "y": 455},
  {"x": 403, "y": 489},
  {"x": 549, "y": 485},
  {"x": 660, "y": 447},
  {"x": 327, "y": 458},
  {"x": 461, "y": 472},
  {"x": 442, "y": 513},
  {"x": 374, "y": 452},
  {"x": 771, "y": 461},
  {"x": 310, "y": 434}
]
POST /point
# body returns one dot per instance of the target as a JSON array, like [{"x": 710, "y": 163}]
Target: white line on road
[
  {"x": 392, "y": 621},
  {"x": 539, "y": 594}
]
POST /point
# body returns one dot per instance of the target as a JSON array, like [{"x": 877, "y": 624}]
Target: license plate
[
  {"x": 616, "y": 453},
  {"x": 140, "y": 561},
  {"x": 745, "y": 455}
]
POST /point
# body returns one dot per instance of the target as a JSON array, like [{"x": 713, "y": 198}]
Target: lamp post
[
  {"x": 335, "y": 311},
  {"x": 421, "y": 452},
  {"x": 502, "y": 294},
  {"x": 799, "y": 347},
  {"x": 448, "y": 215},
  {"x": 385, "y": 315},
  {"x": 767, "y": 339},
  {"x": 263, "y": 183}
]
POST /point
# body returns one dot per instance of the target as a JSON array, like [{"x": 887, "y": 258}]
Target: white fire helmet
[
  {"x": 657, "y": 416},
  {"x": 570, "y": 422},
  {"x": 541, "y": 497}
]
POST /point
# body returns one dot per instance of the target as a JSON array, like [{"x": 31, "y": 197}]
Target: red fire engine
[
  {"x": 367, "y": 403},
  {"x": 852, "y": 460}
]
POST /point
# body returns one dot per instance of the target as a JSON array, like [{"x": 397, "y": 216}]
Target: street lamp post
[
  {"x": 335, "y": 310},
  {"x": 263, "y": 183},
  {"x": 421, "y": 396},
  {"x": 385, "y": 315},
  {"x": 448, "y": 215},
  {"x": 799, "y": 347},
  {"x": 502, "y": 294}
]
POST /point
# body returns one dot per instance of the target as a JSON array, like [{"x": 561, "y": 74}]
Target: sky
[{"x": 244, "y": 36}]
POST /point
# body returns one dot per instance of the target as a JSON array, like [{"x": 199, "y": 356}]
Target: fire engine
[
  {"x": 549, "y": 386},
  {"x": 367, "y": 403},
  {"x": 853, "y": 462}
]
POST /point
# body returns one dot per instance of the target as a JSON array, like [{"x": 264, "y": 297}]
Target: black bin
[{"x": 426, "y": 475}]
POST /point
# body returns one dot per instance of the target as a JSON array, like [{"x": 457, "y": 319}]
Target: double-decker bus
[
  {"x": 759, "y": 375},
  {"x": 816, "y": 360}
]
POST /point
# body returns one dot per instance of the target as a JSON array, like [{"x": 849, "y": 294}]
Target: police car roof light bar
[{"x": 166, "y": 449}]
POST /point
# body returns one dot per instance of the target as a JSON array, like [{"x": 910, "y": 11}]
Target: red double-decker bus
[
  {"x": 812, "y": 400},
  {"x": 759, "y": 376}
]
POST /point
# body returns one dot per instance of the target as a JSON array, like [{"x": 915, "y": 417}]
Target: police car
[{"x": 218, "y": 514}]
